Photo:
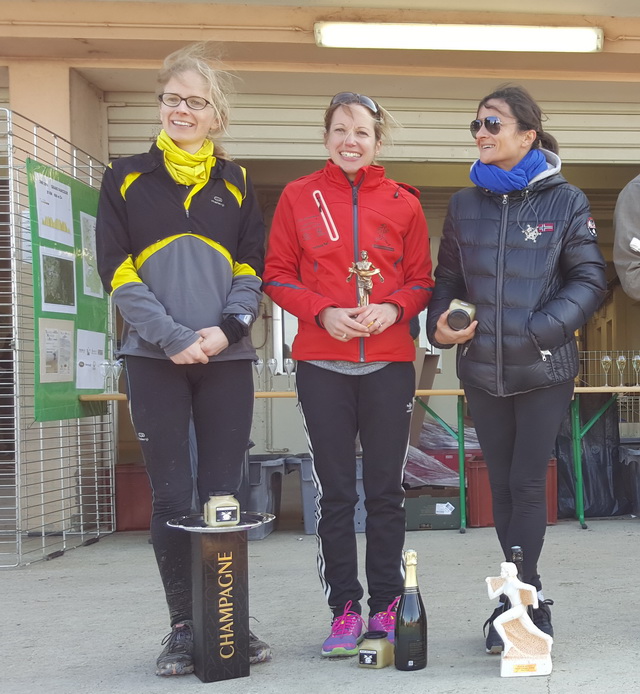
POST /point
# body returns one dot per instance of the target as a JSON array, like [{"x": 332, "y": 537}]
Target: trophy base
[{"x": 523, "y": 666}]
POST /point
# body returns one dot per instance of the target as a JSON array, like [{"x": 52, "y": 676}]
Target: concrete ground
[{"x": 91, "y": 621}]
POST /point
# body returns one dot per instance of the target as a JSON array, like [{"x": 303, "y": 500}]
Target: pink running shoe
[
  {"x": 346, "y": 634},
  {"x": 385, "y": 621}
]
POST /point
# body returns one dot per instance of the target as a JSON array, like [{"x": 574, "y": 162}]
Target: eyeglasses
[
  {"x": 353, "y": 98},
  {"x": 196, "y": 103},
  {"x": 491, "y": 123}
]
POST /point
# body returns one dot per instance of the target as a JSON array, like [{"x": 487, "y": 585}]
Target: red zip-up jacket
[{"x": 321, "y": 224}]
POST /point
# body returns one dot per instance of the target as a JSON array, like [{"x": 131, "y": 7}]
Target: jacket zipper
[
  {"x": 500, "y": 280},
  {"x": 186, "y": 211},
  {"x": 356, "y": 245}
]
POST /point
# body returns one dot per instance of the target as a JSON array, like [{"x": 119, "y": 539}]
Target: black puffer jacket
[{"x": 530, "y": 263}]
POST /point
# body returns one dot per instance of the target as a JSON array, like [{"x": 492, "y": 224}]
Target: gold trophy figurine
[{"x": 364, "y": 270}]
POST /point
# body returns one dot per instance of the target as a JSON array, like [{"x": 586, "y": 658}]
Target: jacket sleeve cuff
[{"x": 233, "y": 329}]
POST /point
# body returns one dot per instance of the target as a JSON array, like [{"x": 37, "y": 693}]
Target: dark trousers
[
  {"x": 163, "y": 397},
  {"x": 517, "y": 436},
  {"x": 335, "y": 407}
]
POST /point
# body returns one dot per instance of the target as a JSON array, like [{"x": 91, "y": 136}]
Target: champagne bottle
[
  {"x": 411, "y": 620},
  {"x": 517, "y": 557}
]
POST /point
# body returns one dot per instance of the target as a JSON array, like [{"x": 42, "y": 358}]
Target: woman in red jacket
[{"x": 349, "y": 256}]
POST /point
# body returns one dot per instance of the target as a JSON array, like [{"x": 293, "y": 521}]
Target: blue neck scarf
[{"x": 500, "y": 181}]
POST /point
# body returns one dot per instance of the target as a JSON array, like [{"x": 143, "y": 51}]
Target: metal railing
[{"x": 56, "y": 478}]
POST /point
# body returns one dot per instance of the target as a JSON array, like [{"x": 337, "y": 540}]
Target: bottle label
[
  {"x": 416, "y": 651},
  {"x": 368, "y": 657},
  {"x": 226, "y": 514}
]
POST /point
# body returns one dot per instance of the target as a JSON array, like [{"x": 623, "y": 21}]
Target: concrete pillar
[{"x": 40, "y": 91}]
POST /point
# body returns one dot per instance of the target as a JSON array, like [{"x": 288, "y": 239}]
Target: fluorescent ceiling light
[{"x": 459, "y": 37}]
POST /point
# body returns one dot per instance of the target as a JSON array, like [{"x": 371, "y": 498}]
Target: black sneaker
[
  {"x": 259, "y": 651},
  {"x": 177, "y": 656},
  {"x": 542, "y": 617},
  {"x": 493, "y": 642}
]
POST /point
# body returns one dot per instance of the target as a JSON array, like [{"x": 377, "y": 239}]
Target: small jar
[
  {"x": 222, "y": 509},
  {"x": 375, "y": 650}
]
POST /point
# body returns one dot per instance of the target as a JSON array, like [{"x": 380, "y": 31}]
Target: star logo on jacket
[
  {"x": 591, "y": 226},
  {"x": 531, "y": 233},
  {"x": 217, "y": 200}
]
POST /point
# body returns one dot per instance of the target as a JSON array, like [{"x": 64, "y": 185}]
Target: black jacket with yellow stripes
[{"x": 172, "y": 271}]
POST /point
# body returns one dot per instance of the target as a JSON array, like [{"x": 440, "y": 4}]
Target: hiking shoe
[
  {"x": 385, "y": 621},
  {"x": 177, "y": 656},
  {"x": 346, "y": 634},
  {"x": 542, "y": 617},
  {"x": 259, "y": 651},
  {"x": 493, "y": 642}
]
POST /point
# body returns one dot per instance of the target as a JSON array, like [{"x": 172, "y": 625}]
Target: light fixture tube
[{"x": 459, "y": 37}]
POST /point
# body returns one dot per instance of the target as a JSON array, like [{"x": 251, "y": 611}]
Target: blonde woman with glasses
[{"x": 180, "y": 250}]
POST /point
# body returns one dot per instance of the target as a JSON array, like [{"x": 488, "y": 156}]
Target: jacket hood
[{"x": 554, "y": 164}]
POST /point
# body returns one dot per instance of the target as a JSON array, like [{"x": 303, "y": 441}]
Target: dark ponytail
[
  {"x": 547, "y": 141},
  {"x": 526, "y": 111}
]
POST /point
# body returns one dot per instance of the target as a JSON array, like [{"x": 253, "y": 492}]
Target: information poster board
[{"x": 70, "y": 308}]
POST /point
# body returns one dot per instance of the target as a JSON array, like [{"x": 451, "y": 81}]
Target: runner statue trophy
[
  {"x": 527, "y": 650},
  {"x": 364, "y": 270}
]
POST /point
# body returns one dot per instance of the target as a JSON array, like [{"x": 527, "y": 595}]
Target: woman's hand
[
  {"x": 446, "y": 336},
  {"x": 214, "y": 340},
  {"x": 377, "y": 317},
  {"x": 192, "y": 354},
  {"x": 341, "y": 325}
]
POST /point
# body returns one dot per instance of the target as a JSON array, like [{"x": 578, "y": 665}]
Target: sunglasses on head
[{"x": 353, "y": 98}]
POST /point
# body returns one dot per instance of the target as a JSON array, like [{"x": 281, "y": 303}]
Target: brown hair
[
  {"x": 526, "y": 111},
  {"x": 202, "y": 58}
]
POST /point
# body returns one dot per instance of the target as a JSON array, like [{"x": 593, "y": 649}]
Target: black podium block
[{"x": 220, "y": 605}]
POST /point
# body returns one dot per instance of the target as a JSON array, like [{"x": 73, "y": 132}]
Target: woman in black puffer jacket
[{"x": 521, "y": 246}]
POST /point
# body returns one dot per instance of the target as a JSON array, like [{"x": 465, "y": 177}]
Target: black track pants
[
  {"x": 162, "y": 398},
  {"x": 335, "y": 407},
  {"x": 517, "y": 436}
]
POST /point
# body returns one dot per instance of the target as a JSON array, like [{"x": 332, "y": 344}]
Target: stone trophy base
[
  {"x": 530, "y": 654},
  {"x": 220, "y": 595},
  {"x": 525, "y": 666}
]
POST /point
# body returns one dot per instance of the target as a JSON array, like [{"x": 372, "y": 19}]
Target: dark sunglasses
[
  {"x": 491, "y": 123},
  {"x": 353, "y": 98}
]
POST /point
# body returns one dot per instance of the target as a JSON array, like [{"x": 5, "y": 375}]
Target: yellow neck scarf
[{"x": 185, "y": 168}]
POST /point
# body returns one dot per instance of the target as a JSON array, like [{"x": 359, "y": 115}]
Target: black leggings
[
  {"x": 336, "y": 407},
  {"x": 517, "y": 436},
  {"x": 163, "y": 397}
]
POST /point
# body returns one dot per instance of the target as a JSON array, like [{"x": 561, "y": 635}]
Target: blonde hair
[{"x": 202, "y": 58}]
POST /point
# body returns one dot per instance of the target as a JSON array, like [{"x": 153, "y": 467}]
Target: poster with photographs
[{"x": 71, "y": 310}]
